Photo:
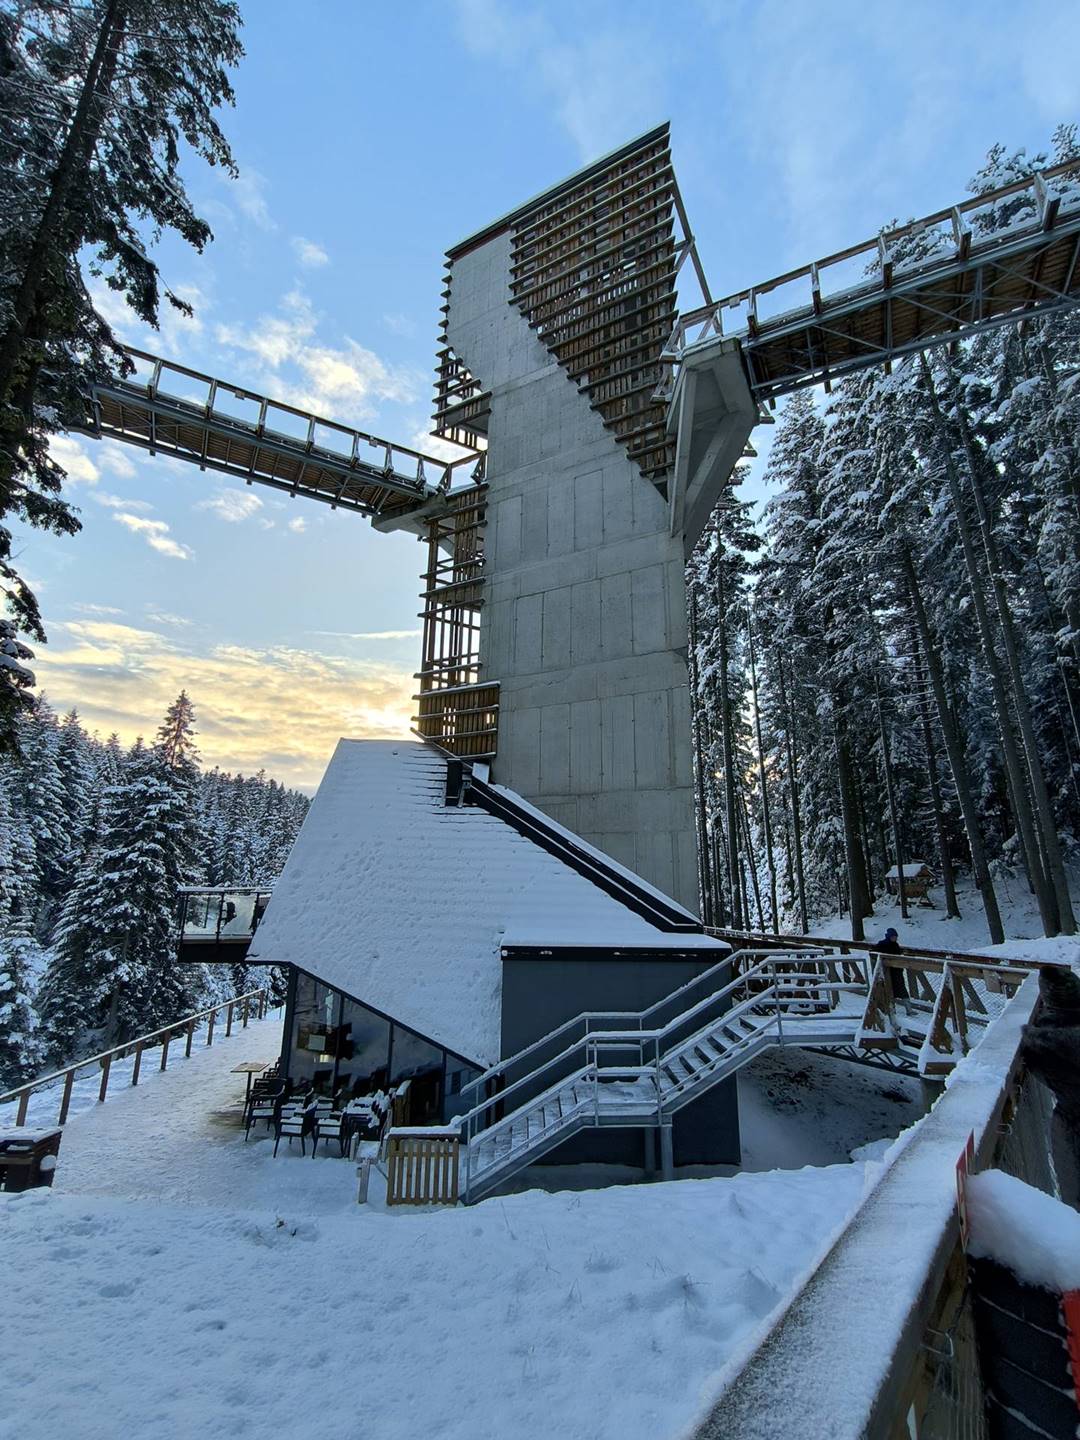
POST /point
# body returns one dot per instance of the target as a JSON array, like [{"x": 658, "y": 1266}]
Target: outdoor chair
[
  {"x": 264, "y": 1105},
  {"x": 295, "y": 1124},
  {"x": 329, "y": 1126}
]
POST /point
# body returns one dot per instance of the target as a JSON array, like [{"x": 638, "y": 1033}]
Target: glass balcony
[{"x": 219, "y": 915}]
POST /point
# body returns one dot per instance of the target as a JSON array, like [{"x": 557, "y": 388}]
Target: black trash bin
[{"x": 28, "y": 1159}]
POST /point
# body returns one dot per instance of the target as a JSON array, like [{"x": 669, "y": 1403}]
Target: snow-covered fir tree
[
  {"x": 89, "y": 878},
  {"x": 916, "y": 622}
]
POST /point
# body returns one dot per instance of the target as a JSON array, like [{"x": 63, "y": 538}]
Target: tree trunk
[
  {"x": 766, "y": 818},
  {"x": 78, "y": 146},
  {"x": 955, "y": 750},
  {"x": 734, "y": 886},
  {"x": 856, "y": 879},
  {"x": 793, "y": 793},
  {"x": 705, "y": 879},
  {"x": 753, "y": 864},
  {"x": 890, "y": 795},
  {"x": 1025, "y": 824},
  {"x": 1044, "y": 810},
  {"x": 948, "y": 879}
]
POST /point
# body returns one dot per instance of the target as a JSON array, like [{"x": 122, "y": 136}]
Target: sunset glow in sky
[{"x": 372, "y": 137}]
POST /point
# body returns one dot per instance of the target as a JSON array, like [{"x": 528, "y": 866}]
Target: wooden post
[
  {"x": 165, "y": 1049},
  {"x": 24, "y": 1101},
  {"x": 138, "y": 1064},
  {"x": 244, "y": 1009},
  {"x": 210, "y": 1028},
  {"x": 228, "y": 1020},
  {"x": 65, "y": 1099},
  {"x": 190, "y": 1038},
  {"x": 106, "y": 1065}
]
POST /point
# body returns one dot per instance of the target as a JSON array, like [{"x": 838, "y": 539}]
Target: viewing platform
[{"x": 216, "y": 922}]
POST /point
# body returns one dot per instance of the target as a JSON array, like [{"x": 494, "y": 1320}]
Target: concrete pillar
[
  {"x": 667, "y": 1153},
  {"x": 649, "y": 1147}
]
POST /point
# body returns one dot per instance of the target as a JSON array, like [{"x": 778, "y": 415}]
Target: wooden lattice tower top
[{"x": 594, "y": 265}]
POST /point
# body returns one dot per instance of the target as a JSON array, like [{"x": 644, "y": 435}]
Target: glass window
[
  {"x": 418, "y": 1064},
  {"x": 314, "y": 1036},
  {"x": 458, "y": 1075},
  {"x": 363, "y": 1051}
]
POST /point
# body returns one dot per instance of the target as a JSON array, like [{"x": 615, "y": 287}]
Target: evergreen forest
[
  {"x": 94, "y": 842},
  {"x": 886, "y": 664}
]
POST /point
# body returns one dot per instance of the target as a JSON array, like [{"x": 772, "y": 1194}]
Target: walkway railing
[
  {"x": 253, "y": 1005},
  {"x": 895, "y": 1277}
]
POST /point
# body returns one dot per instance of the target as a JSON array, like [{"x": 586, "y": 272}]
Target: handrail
[
  {"x": 140, "y": 1043},
  {"x": 151, "y": 389},
  {"x": 879, "y": 244},
  {"x": 502, "y": 1095},
  {"x": 588, "y": 1015}
]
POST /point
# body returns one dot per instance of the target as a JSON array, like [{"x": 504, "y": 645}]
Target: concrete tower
[{"x": 556, "y": 318}]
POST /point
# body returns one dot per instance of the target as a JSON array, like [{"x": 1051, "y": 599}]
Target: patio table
[{"x": 250, "y": 1068}]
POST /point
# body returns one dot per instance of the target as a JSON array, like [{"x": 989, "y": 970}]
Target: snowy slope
[
  {"x": 931, "y": 930},
  {"x": 177, "y": 1282}
]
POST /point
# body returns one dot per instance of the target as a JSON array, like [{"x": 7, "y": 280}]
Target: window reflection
[{"x": 342, "y": 1048}]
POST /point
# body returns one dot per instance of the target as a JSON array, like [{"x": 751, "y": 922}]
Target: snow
[
  {"x": 930, "y": 929},
  {"x": 404, "y": 902},
  {"x": 911, "y": 869},
  {"x": 1034, "y": 1235},
  {"x": 824, "y": 1364},
  {"x": 186, "y": 1283}
]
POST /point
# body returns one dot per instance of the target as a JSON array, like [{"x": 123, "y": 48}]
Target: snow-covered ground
[
  {"x": 178, "y": 1282},
  {"x": 930, "y": 929}
]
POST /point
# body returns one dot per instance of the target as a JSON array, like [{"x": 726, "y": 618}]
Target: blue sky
[{"x": 372, "y": 137}]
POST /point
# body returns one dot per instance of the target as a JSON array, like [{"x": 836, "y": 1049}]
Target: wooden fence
[
  {"x": 253, "y": 1005},
  {"x": 422, "y": 1167}
]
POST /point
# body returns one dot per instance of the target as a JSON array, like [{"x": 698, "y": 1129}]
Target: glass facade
[{"x": 339, "y": 1045}]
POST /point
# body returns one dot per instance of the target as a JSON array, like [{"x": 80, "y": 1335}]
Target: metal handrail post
[{"x": 776, "y": 996}]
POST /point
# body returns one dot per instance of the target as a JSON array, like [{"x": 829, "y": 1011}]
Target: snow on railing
[{"x": 252, "y": 1005}]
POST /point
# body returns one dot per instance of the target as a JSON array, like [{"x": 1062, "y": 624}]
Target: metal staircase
[{"x": 638, "y": 1069}]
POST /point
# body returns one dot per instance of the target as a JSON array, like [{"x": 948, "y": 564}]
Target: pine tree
[{"x": 95, "y": 100}]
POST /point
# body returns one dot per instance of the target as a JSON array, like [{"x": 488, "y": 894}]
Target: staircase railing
[
  {"x": 252, "y": 1005},
  {"x": 602, "y": 1049}
]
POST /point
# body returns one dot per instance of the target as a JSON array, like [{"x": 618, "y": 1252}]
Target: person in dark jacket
[
  {"x": 1051, "y": 1050},
  {"x": 891, "y": 946}
]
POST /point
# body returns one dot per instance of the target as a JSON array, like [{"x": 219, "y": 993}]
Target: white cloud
[
  {"x": 310, "y": 255},
  {"x": 276, "y": 707},
  {"x": 232, "y": 505},
  {"x": 298, "y": 524},
  {"x": 248, "y": 191},
  {"x": 156, "y": 535},
  {"x": 117, "y": 502},
  {"x": 87, "y": 607},
  {"x": 400, "y": 323},
  {"x": 439, "y": 449},
  {"x": 163, "y": 617},
  {"x": 605, "y": 81},
  {"x": 345, "y": 379},
  {"x": 116, "y": 461},
  {"x": 370, "y": 634},
  {"x": 71, "y": 457}
]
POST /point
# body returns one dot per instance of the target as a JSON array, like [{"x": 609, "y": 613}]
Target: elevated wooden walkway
[
  {"x": 990, "y": 260},
  {"x": 190, "y": 416}
]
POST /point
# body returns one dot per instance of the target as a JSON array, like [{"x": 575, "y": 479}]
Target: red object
[{"x": 1070, "y": 1309}]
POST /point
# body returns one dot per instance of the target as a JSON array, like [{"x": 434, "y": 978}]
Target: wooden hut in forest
[{"x": 918, "y": 877}]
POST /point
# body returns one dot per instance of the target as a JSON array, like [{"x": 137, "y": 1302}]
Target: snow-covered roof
[
  {"x": 911, "y": 867},
  {"x": 403, "y": 902}
]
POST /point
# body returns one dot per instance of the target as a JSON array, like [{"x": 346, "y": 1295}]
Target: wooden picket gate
[{"x": 421, "y": 1167}]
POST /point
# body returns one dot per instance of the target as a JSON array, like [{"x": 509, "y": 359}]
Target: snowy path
[
  {"x": 165, "y": 1141},
  {"x": 178, "y": 1283}
]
